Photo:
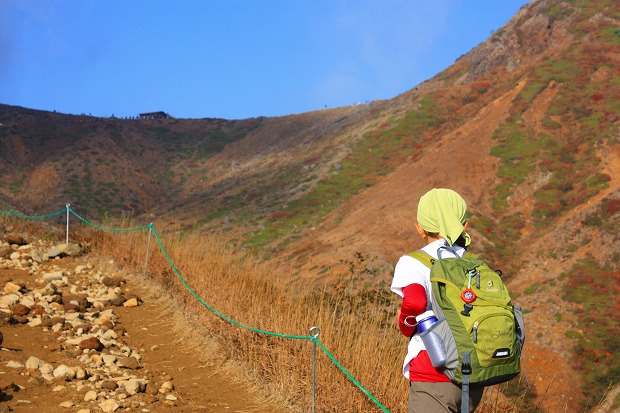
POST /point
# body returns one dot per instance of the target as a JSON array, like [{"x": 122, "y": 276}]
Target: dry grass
[{"x": 357, "y": 329}]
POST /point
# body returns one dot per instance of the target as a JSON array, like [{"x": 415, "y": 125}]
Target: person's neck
[{"x": 429, "y": 239}]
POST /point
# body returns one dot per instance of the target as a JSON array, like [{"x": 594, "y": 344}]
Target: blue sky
[{"x": 232, "y": 59}]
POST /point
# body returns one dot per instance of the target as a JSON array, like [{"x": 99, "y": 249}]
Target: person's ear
[
  {"x": 420, "y": 231},
  {"x": 465, "y": 225}
]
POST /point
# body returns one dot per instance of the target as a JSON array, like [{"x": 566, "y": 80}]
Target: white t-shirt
[{"x": 408, "y": 271}]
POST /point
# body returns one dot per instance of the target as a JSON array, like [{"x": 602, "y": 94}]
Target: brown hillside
[{"x": 525, "y": 126}]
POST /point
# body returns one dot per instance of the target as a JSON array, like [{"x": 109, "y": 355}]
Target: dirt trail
[{"x": 170, "y": 350}]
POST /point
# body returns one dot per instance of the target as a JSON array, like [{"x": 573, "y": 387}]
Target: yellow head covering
[{"x": 443, "y": 211}]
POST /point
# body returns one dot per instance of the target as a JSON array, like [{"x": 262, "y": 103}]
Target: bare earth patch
[{"x": 182, "y": 370}]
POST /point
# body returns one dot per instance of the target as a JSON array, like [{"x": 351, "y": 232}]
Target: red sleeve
[{"x": 414, "y": 303}]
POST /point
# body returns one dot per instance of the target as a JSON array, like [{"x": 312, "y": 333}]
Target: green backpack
[{"x": 482, "y": 331}]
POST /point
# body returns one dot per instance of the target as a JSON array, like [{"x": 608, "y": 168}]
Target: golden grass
[{"x": 357, "y": 329}]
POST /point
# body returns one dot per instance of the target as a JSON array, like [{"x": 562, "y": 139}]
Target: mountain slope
[{"x": 525, "y": 126}]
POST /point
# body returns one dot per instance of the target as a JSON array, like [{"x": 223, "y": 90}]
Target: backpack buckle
[
  {"x": 466, "y": 369},
  {"x": 467, "y": 309}
]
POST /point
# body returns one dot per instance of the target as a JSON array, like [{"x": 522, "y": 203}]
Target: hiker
[{"x": 441, "y": 221}]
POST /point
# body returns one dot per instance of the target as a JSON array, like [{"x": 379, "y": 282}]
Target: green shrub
[{"x": 594, "y": 287}]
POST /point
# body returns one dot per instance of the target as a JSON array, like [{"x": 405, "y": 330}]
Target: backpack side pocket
[
  {"x": 520, "y": 322},
  {"x": 442, "y": 329}
]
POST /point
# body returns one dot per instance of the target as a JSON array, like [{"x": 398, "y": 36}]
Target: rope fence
[{"x": 314, "y": 331}]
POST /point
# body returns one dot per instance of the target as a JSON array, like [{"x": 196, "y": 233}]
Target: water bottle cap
[{"x": 425, "y": 315}]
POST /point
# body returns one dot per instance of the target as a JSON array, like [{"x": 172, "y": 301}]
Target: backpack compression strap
[{"x": 466, "y": 372}]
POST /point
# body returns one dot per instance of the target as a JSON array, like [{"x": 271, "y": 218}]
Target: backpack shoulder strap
[
  {"x": 470, "y": 255},
  {"x": 423, "y": 257}
]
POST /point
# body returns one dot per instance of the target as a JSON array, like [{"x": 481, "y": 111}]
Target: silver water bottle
[{"x": 434, "y": 344}]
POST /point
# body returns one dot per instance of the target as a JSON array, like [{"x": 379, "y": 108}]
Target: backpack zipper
[
  {"x": 474, "y": 328},
  {"x": 475, "y": 331}
]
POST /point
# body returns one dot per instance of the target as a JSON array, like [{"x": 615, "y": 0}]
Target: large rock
[
  {"x": 63, "y": 250},
  {"x": 92, "y": 343},
  {"x": 15, "y": 238}
]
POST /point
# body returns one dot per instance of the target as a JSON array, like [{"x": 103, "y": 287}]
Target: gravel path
[{"x": 78, "y": 336}]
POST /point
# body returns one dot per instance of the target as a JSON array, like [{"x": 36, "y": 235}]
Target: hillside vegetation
[{"x": 525, "y": 126}]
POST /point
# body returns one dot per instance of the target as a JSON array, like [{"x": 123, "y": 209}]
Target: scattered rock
[
  {"x": 12, "y": 288},
  {"x": 128, "y": 363},
  {"x": 109, "y": 385},
  {"x": 108, "y": 359},
  {"x": 52, "y": 276},
  {"x": 5, "y": 251},
  {"x": 166, "y": 387},
  {"x": 46, "y": 368},
  {"x": 90, "y": 396},
  {"x": 112, "y": 281},
  {"x": 20, "y": 310},
  {"x": 14, "y": 364},
  {"x": 131, "y": 303},
  {"x": 75, "y": 307},
  {"x": 80, "y": 373},
  {"x": 37, "y": 256},
  {"x": 117, "y": 301},
  {"x": 63, "y": 372},
  {"x": 34, "y": 363},
  {"x": 109, "y": 406},
  {"x": 134, "y": 386},
  {"x": 120, "y": 330},
  {"x": 9, "y": 300}
]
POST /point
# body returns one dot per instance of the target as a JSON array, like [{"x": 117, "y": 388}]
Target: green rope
[
  {"x": 357, "y": 383},
  {"x": 230, "y": 320},
  {"x": 108, "y": 229},
  {"x": 17, "y": 214},
  {"x": 204, "y": 303}
]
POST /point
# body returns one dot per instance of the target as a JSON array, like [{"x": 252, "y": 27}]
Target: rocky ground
[{"x": 78, "y": 336}]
